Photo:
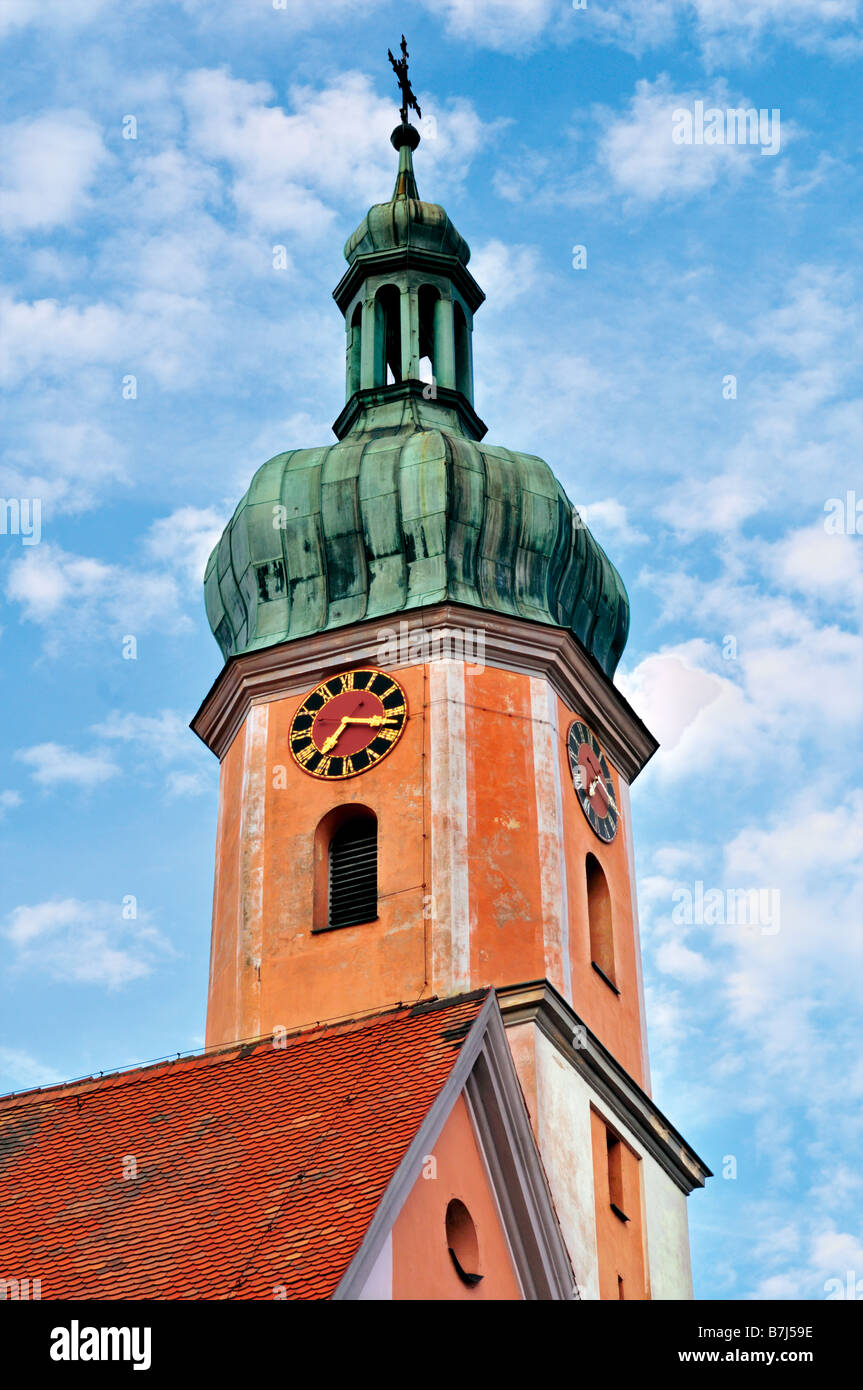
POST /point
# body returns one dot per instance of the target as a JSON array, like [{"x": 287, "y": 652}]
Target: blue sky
[{"x": 546, "y": 128}]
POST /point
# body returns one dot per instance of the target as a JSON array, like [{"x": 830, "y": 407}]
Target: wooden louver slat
[{"x": 354, "y": 874}]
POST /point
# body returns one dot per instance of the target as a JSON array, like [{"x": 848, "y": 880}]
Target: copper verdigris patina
[{"x": 409, "y": 508}]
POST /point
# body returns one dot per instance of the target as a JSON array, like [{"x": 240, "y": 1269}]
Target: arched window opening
[
  {"x": 599, "y": 918},
  {"x": 462, "y": 1243},
  {"x": 388, "y": 335},
  {"x": 355, "y": 346},
  {"x": 346, "y": 868},
  {"x": 427, "y": 299},
  {"x": 463, "y": 366}
]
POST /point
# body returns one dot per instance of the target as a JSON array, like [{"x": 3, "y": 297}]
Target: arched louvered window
[
  {"x": 599, "y": 918},
  {"x": 353, "y": 872}
]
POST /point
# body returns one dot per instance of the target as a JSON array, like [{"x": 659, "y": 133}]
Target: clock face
[
  {"x": 348, "y": 724},
  {"x": 591, "y": 777}
]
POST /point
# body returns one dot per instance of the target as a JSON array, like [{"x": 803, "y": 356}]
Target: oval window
[{"x": 462, "y": 1242}]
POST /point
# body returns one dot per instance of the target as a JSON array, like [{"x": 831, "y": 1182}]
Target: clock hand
[
  {"x": 375, "y": 720},
  {"x": 592, "y": 788},
  {"x": 333, "y": 739}
]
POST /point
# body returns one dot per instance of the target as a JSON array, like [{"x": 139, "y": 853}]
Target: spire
[
  {"x": 405, "y": 139},
  {"x": 408, "y": 299}
]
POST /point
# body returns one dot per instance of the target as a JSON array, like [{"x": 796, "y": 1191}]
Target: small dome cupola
[{"x": 408, "y": 300}]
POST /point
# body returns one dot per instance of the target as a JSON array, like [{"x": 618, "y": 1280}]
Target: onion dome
[
  {"x": 409, "y": 508},
  {"x": 406, "y": 221}
]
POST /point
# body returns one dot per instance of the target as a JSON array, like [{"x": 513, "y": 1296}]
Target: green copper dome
[
  {"x": 381, "y": 524},
  {"x": 406, "y": 221},
  {"x": 409, "y": 508}
]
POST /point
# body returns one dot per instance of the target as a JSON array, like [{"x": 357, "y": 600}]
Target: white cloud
[
  {"x": 49, "y": 14},
  {"x": 506, "y": 273},
  {"x": 187, "y": 784},
  {"x": 165, "y": 736},
  {"x": 54, "y": 765},
  {"x": 19, "y": 1071},
  {"x": 608, "y": 520},
  {"x": 156, "y": 330},
  {"x": 183, "y": 541},
  {"x": 498, "y": 24},
  {"x": 8, "y": 801},
  {"x": 726, "y": 29},
  {"x": 789, "y": 673},
  {"x": 163, "y": 739},
  {"x": 47, "y": 165},
  {"x": 84, "y": 942},
  {"x": 812, "y": 562},
  {"x": 49, "y": 338},
  {"x": 295, "y": 14},
  {"x": 67, "y": 463},
  {"x": 674, "y": 958},
  {"x": 671, "y": 690},
  {"x": 642, "y": 159},
  {"x": 109, "y": 598},
  {"x": 292, "y": 168}
]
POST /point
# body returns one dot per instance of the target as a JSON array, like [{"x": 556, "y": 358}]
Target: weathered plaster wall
[
  {"x": 559, "y": 1102},
  {"x": 667, "y": 1234},
  {"x": 482, "y": 848},
  {"x": 421, "y": 1264},
  {"x": 559, "y": 1111}
]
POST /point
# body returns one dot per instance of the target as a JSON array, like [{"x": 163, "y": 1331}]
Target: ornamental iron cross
[{"x": 400, "y": 67}]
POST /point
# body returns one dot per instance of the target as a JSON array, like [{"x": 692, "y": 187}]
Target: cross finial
[{"x": 400, "y": 67}]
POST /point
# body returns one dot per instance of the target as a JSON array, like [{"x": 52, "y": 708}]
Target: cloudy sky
[{"x": 693, "y": 385}]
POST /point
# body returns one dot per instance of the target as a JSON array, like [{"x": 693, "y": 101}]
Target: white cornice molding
[
  {"x": 540, "y": 1003},
  {"x": 511, "y": 644}
]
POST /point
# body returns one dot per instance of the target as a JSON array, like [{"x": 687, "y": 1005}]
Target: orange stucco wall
[
  {"x": 304, "y": 976},
  {"x": 422, "y": 1268},
  {"x": 269, "y": 968},
  {"x": 620, "y": 1244},
  {"x": 615, "y": 1019}
]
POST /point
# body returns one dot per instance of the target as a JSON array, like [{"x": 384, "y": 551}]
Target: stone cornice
[
  {"x": 511, "y": 644},
  {"x": 384, "y": 262},
  {"x": 540, "y": 1003},
  {"x": 361, "y": 402}
]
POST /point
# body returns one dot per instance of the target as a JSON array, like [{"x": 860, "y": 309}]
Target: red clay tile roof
[{"x": 258, "y": 1166}]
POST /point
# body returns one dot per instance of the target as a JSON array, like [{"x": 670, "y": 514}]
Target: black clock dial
[
  {"x": 591, "y": 778},
  {"x": 346, "y": 725}
]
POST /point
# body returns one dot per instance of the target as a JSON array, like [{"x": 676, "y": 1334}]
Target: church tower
[{"x": 425, "y": 763}]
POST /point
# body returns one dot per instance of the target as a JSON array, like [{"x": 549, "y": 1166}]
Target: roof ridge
[{"x": 235, "y": 1050}]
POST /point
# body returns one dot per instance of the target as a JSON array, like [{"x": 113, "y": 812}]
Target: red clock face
[
  {"x": 591, "y": 777},
  {"x": 348, "y": 724}
]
